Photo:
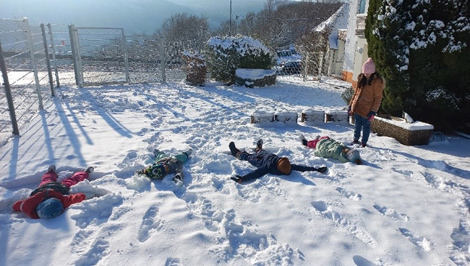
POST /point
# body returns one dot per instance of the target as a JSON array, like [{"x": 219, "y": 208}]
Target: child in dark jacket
[
  {"x": 51, "y": 198},
  {"x": 267, "y": 163}
]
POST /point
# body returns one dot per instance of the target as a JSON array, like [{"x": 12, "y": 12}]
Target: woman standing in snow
[{"x": 366, "y": 100}]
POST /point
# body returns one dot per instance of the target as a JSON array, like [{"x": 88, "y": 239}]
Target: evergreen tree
[{"x": 421, "y": 47}]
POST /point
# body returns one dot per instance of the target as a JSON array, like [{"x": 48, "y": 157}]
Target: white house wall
[
  {"x": 355, "y": 47},
  {"x": 350, "y": 45}
]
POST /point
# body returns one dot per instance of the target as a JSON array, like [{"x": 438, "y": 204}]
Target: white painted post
[
  {"x": 320, "y": 65},
  {"x": 33, "y": 61},
  {"x": 48, "y": 59},
  {"x": 126, "y": 56},
  {"x": 306, "y": 66},
  {"x": 53, "y": 54},
  {"x": 74, "y": 54},
  {"x": 163, "y": 59}
]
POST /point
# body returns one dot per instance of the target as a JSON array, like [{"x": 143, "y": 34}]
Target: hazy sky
[{"x": 135, "y": 16}]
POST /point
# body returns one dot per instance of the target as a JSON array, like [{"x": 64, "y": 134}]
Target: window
[{"x": 362, "y": 7}]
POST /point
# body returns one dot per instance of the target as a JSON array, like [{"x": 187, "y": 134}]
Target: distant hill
[{"x": 135, "y": 16}]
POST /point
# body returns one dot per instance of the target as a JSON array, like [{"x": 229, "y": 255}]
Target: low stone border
[
  {"x": 313, "y": 116},
  {"x": 264, "y": 117},
  {"x": 336, "y": 116}
]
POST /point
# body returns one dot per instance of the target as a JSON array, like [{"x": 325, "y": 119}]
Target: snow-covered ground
[{"x": 407, "y": 205}]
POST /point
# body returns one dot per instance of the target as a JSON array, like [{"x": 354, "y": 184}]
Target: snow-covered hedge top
[
  {"x": 412, "y": 127},
  {"x": 254, "y": 73},
  {"x": 244, "y": 45}
]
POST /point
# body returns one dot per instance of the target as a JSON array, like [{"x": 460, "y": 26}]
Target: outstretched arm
[
  {"x": 254, "y": 174},
  {"x": 303, "y": 168}
]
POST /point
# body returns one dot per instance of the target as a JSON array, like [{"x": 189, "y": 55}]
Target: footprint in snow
[
  {"x": 352, "y": 226},
  {"x": 173, "y": 262},
  {"x": 149, "y": 223},
  {"x": 407, "y": 173},
  {"x": 349, "y": 194},
  {"x": 391, "y": 213},
  {"x": 418, "y": 241},
  {"x": 98, "y": 249}
]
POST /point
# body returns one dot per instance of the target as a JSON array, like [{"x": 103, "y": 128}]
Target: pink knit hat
[{"x": 368, "y": 67}]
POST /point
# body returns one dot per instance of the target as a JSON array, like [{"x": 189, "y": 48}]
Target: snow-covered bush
[
  {"x": 226, "y": 54},
  {"x": 195, "y": 68}
]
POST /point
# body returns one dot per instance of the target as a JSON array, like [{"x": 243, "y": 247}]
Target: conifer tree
[{"x": 422, "y": 48}]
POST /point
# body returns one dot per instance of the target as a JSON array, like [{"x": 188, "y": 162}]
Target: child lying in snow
[
  {"x": 267, "y": 163},
  {"x": 166, "y": 165},
  {"x": 51, "y": 198},
  {"x": 329, "y": 148}
]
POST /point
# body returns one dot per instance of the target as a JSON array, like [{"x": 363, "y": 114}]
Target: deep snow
[{"x": 408, "y": 205}]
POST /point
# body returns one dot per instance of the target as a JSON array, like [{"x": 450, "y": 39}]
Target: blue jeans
[{"x": 361, "y": 124}]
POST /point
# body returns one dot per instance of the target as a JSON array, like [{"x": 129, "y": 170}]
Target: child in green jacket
[
  {"x": 166, "y": 165},
  {"x": 329, "y": 148}
]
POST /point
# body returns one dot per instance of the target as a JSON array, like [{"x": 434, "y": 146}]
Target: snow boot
[
  {"x": 259, "y": 145},
  {"x": 233, "y": 149},
  {"x": 189, "y": 152},
  {"x": 90, "y": 169},
  {"x": 51, "y": 168},
  {"x": 178, "y": 177},
  {"x": 303, "y": 140}
]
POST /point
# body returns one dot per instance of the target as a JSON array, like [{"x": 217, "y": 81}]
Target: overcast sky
[{"x": 135, "y": 16}]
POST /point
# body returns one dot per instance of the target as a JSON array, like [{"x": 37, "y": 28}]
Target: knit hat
[
  {"x": 155, "y": 171},
  {"x": 284, "y": 166},
  {"x": 354, "y": 156},
  {"x": 368, "y": 67},
  {"x": 49, "y": 208}
]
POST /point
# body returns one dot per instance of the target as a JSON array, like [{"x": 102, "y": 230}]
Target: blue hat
[
  {"x": 49, "y": 208},
  {"x": 353, "y": 156}
]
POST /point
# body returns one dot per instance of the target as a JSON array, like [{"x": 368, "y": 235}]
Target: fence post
[
  {"x": 126, "y": 56},
  {"x": 33, "y": 61},
  {"x": 48, "y": 62},
  {"x": 306, "y": 66},
  {"x": 53, "y": 55},
  {"x": 162, "y": 59},
  {"x": 6, "y": 82},
  {"x": 75, "y": 55},
  {"x": 320, "y": 65}
]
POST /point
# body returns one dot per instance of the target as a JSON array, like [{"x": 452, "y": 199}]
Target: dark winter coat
[
  {"x": 367, "y": 98},
  {"x": 266, "y": 163},
  {"x": 30, "y": 204}
]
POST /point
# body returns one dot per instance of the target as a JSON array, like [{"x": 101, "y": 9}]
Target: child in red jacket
[{"x": 51, "y": 198}]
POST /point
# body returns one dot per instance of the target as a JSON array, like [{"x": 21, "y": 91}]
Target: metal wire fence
[
  {"x": 24, "y": 74},
  {"x": 34, "y": 60}
]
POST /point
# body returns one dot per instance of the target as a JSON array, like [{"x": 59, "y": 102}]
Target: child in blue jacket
[{"x": 266, "y": 163}]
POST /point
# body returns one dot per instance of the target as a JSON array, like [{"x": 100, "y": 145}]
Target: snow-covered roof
[{"x": 337, "y": 21}]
